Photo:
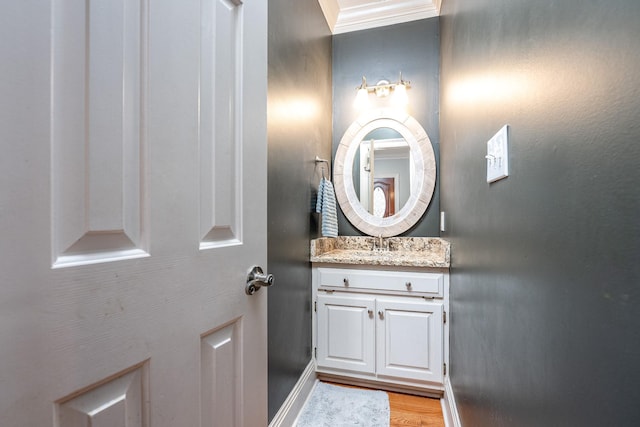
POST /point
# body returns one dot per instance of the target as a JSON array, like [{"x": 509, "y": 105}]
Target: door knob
[{"x": 256, "y": 278}]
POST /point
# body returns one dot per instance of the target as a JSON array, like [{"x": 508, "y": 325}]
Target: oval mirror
[{"x": 384, "y": 172}]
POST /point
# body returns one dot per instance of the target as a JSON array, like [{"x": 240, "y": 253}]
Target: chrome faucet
[{"x": 380, "y": 243}]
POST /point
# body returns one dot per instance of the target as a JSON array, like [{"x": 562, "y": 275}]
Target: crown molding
[{"x": 364, "y": 14}]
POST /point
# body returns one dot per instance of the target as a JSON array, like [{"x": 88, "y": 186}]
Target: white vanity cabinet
[{"x": 383, "y": 325}]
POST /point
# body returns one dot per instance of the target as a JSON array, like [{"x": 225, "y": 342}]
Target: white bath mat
[{"x": 335, "y": 406}]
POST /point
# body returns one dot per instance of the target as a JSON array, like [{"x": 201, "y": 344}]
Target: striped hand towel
[{"x": 326, "y": 205}]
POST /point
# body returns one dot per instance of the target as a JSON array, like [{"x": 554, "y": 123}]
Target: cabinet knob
[
  {"x": 370, "y": 312},
  {"x": 345, "y": 281},
  {"x": 408, "y": 285},
  {"x": 381, "y": 315}
]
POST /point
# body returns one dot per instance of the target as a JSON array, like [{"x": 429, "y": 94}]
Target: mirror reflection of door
[
  {"x": 384, "y": 197},
  {"x": 383, "y": 153}
]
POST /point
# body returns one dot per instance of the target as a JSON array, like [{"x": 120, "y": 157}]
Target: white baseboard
[
  {"x": 292, "y": 405},
  {"x": 449, "y": 408}
]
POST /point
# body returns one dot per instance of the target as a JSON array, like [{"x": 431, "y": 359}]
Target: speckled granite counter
[{"x": 404, "y": 251}]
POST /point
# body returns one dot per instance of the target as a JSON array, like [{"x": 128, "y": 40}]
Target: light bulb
[
  {"x": 400, "y": 98},
  {"x": 362, "y": 99}
]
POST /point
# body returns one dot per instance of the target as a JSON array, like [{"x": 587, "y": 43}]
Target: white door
[{"x": 132, "y": 204}]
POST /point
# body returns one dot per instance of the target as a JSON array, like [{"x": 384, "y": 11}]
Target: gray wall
[
  {"x": 299, "y": 128},
  {"x": 381, "y": 53},
  {"x": 545, "y": 281}
]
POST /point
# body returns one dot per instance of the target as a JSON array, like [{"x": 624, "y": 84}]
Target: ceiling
[{"x": 352, "y": 15}]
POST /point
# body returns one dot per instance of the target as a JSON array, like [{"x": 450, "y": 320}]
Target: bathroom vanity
[
  {"x": 380, "y": 316},
  {"x": 380, "y": 304}
]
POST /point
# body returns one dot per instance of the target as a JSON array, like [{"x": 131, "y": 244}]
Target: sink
[{"x": 403, "y": 251}]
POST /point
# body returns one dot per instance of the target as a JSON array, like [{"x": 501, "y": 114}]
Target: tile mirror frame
[{"x": 422, "y": 183}]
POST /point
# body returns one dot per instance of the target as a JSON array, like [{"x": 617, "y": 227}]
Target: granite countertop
[{"x": 404, "y": 251}]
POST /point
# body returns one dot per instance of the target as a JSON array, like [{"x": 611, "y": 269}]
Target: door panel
[
  {"x": 220, "y": 370},
  {"x": 97, "y": 105},
  {"x": 119, "y": 401},
  {"x": 410, "y": 339},
  {"x": 221, "y": 85},
  {"x": 127, "y": 230},
  {"x": 346, "y": 333}
]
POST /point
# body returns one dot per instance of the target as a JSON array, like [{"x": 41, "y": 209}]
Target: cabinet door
[
  {"x": 410, "y": 339},
  {"x": 346, "y": 333}
]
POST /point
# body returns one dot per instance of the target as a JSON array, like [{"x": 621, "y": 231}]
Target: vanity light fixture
[{"x": 382, "y": 89}]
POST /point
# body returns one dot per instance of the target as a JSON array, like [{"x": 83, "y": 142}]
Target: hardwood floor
[{"x": 412, "y": 411}]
